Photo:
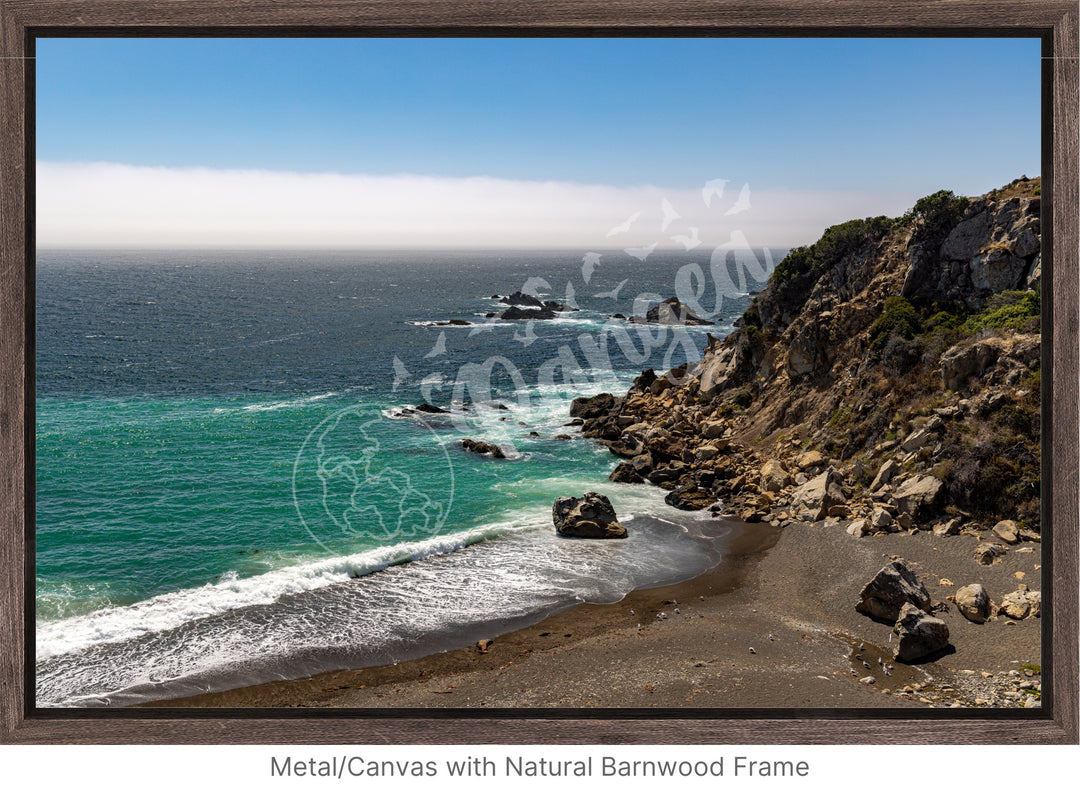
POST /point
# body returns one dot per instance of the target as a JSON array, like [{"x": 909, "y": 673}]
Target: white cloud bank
[{"x": 115, "y": 205}]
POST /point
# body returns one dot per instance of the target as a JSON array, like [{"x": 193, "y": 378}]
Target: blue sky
[{"x": 817, "y": 129}]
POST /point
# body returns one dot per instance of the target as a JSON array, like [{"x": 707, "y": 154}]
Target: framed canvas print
[{"x": 618, "y": 372}]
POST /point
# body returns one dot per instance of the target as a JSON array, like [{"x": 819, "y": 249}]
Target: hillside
[{"x": 888, "y": 374}]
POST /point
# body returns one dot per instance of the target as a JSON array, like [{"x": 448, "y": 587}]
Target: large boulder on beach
[
  {"x": 590, "y": 516},
  {"x": 893, "y": 587},
  {"x": 973, "y": 602},
  {"x": 918, "y": 634}
]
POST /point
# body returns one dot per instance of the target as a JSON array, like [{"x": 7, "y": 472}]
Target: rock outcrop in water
[
  {"x": 483, "y": 448},
  {"x": 670, "y": 312},
  {"x": 590, "y": 516},
  {"x": 525, "y": 306}
]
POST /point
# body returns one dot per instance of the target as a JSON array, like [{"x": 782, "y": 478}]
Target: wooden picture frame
[{"x": 1053, "y": 21}]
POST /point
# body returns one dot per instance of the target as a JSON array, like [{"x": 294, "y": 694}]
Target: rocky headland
[{"x": 887, "y": 378}]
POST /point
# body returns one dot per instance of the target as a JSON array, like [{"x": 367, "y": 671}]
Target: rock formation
[
  {"x": 887, "y": 374},
  {"x": 590, "y": 516},
  {"x": 483, "y": 448},
  {"x": 892, "y": 588},
  {"x": 670, "y": 312},
  {"x": 918, "y": 634}
]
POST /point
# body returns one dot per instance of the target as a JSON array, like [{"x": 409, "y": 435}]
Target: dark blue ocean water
[{"x": 227, "y": 493}]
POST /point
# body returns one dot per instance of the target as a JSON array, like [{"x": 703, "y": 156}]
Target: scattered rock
[
  {"x": 591, "y": 516},
  {"x": 1021, "y": 604},
  {"x": 885, "y": 474},
  {"x": 973, "y": 602},
  {"x": 919, "y": 495},
  {"x": 948, "y": 527},
  {"x": 917, "y": 440},
  {"x": 988, "y": 554},
  {"x": 812, "y": 459},
  {"x": 626, "y": 473},
  {"x": 893, "y": 587},
  {"x": 813, "y": 501},
  {"x": 774, "y": 477},
  {"x": 689, "y": 498},
  {"x": 918, "y": 634},
  {"x": 1007, "y": 531},
  {"x": 859, "y": 528},
  {"x": 962, "y": 362},
  {"x": 880, "y": 519},
  {"x": 592, "y": 407}
]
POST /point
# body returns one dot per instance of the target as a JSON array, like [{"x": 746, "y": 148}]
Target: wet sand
[{"x": 789, "y": 595}]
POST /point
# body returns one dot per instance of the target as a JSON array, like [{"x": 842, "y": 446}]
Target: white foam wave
[
  {"x": 259, "y": 407},
  {"x": 168, "y": 611}
]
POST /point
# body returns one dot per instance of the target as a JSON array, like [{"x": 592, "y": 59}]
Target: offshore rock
[
  {"x": 519, "y": 298},
  {"x": 483, "y": 448},
  {"x": 591, "y": 516},
  {"x": 515, "y": 313},
  {"x": 670, "y": 312}
]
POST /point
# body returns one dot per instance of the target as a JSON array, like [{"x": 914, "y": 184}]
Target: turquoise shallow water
[{"x": 227, "y": 491}]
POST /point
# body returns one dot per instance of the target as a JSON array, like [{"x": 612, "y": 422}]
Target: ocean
[{"x": 232, "y": 485}]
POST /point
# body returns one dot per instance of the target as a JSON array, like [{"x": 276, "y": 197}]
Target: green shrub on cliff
[
  {"x": 898, "y": 318},
  {"x": 794, "y": 277},
  {"x": 1009, "y": 310},
  {"x": 937, "y": 213}
]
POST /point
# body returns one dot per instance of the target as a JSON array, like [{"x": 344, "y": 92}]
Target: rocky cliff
[{"x": 887, "y": 374}]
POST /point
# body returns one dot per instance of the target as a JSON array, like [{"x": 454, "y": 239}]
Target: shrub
[
  {"x": 937, "y": 213},
  {"x": 794, "y": 277},
  {"x": 743, "y": 398},
  {"x": 899, "y": 355},
  {"x": 899, "y": 317},
  {"x": 1009, "y": 310}
]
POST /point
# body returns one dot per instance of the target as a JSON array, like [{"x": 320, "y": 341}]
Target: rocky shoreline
[
  {"x": 887, "y": 376},
  {"x": 872, "y": 425}
]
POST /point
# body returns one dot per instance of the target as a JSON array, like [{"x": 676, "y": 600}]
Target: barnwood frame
[{"x": 1053, "y": 21}]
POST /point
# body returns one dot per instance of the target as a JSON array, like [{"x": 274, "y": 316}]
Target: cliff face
[{"x": 888, "y": 352}]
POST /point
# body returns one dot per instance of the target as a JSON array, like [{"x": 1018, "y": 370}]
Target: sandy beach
[{"x": 774, "y": 626}]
